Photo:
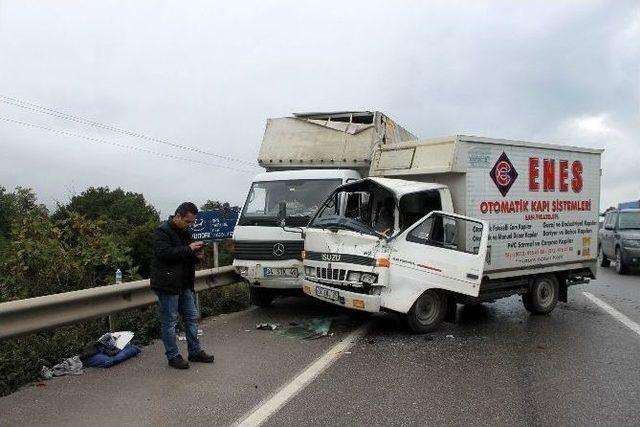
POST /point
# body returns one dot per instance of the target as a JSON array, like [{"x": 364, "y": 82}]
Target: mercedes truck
[{"x": 305, "y": 157}]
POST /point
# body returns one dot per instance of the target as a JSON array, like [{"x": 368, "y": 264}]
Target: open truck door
[{"x": 440, "y": 255}]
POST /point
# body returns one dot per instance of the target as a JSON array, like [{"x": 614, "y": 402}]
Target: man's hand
[{"x": 196, "y": 246}]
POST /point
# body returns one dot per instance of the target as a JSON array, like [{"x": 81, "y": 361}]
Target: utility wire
[
  {"x": 51, "y": 112},
  {"x": 116, "y": 144}
]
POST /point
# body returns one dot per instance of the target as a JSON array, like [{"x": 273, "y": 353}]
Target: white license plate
[
  {"x": 329, "y": 294},
  {"x": 280, "y": 272}
]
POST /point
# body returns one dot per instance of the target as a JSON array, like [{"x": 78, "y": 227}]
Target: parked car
[{"x": 620, "y": 239}]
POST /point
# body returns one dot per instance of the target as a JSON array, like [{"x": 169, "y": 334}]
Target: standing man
[{"x": 175, "y": 256}]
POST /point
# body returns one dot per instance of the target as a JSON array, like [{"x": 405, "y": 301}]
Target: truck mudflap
[{"x": 352, "y": 300}]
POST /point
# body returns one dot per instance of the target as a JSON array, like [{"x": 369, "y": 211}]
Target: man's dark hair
[{"x": 186, "y": 207}]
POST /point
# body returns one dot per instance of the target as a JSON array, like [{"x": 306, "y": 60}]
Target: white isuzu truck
[
  {"x": 457, "y": 220},
  {"x": 306, "y": 157}
]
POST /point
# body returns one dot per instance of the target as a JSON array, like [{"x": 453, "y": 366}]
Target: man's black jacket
[{"x": 173, "y": 265}]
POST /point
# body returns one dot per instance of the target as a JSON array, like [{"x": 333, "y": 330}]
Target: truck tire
[
  {"x": 604, "y": 261},
  {"x": 260, "y": 297},
  {"x": 621, "y": 267},
  {"x": 543, "y": 295},
  {"x": 427, "y": 312}
]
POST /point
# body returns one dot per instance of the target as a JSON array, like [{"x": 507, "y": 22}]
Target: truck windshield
[
  {"x": 629, "y": 221},
  {"x": 302, "y": 198},
  {"x": 345, "y": 210}
]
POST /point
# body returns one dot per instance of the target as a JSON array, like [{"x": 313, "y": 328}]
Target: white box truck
[
  {"x": 306, "y": 157},
  {"x": 457, "y": 220}
]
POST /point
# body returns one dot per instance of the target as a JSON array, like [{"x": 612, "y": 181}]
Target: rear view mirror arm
[{"x": 298, "y": 230}]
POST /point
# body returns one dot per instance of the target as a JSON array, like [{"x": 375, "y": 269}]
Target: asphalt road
[{"x": 497, "y": 366}]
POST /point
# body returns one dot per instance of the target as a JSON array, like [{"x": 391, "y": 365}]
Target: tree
[
  {"x": 122, "y": 210},
  {"x": 126, "y": 215},
  {"x": 46, "y": 257},
  {"x": 14, "y": 206},
  {"x": 210, "y": 205}
]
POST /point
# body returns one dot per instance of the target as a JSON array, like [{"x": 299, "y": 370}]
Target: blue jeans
[{"x": 170, "y": 306}]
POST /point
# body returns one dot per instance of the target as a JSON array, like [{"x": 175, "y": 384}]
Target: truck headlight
[
  {"x": 243, "y": 271},
  {"x": 631, "y": 243},
  {"x": 310, "y": 271},
  {"x": 369, "y": 278},
  {"x": 354, "y": 276}
]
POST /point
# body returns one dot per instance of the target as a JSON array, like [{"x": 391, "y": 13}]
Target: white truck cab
[
  {"x": 353, "y": 258},
  {"x": 266, "y": 256}
]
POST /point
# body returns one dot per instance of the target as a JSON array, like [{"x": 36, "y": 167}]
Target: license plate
[
  {"x": 329, "y": 294},
  {"x": 281, "y": 272}
]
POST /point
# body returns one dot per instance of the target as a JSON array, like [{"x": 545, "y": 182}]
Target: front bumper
[
  {"x": 254, "y": 274},
  {"x": 631, "y": 256},
  {"x": 353, "y": 300}
]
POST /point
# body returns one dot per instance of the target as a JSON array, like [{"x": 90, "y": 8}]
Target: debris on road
[
  {"x": 70, "y": 366},
  {"x": 311, "y": 329},
  {"x": 267, "y": 326},
  {"x": 45, "y": 373},
  {"x": 449, "y": 336}
]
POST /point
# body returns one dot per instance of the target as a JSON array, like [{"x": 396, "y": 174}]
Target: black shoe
[
  {"x": 201, "y": 357},
  {"x": 179, "y": 363}
]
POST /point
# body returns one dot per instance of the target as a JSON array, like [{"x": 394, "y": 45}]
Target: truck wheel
[
  {"x": 427, "y": 312},
  {"x": 621, "y": 268},
  {"x": 260, "y": 297},
  {"x": 542, "y": 296},
  {"x": 604, "y": 261}
]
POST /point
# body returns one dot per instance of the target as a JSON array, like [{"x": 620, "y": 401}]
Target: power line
[
  {"x": 51, "y": 112},
  {"x": 116, "y": 144}
]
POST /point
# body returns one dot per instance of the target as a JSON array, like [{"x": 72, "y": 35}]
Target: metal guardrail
[{"x": 49, "y": 311}]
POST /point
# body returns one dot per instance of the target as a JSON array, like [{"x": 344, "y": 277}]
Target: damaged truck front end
[{"x": 345, "y": 268}]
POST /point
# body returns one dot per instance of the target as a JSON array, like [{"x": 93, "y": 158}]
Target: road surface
[{"x": 497, "y": 366}]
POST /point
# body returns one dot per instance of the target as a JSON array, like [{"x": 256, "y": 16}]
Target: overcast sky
[{"x": 208, "y": 74}]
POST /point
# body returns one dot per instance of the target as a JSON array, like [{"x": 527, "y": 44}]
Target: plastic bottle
[{"x": 118, "y": 277}]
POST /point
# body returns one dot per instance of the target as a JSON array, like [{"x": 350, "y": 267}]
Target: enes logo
[{"x": 503, "y": 174}]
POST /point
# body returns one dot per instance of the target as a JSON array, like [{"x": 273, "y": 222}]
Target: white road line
[
  {"x": 615, "y": 313},
  {"x": 274, "y": 403}
]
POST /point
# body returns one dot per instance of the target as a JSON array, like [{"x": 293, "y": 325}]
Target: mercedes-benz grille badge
[{"x": 278, "y": 249}]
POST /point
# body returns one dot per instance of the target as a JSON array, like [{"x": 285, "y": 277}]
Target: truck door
[{"x": 441, "y": 250}]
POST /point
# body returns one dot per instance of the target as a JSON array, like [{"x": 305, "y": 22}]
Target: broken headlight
[
  {"x": 354, "y": 276},
  {"x": 369, "y": 278},
  {"x": 310, "y": 271}
]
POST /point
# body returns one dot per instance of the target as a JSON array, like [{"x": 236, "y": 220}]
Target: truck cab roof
[
  {"x": 341, "y": 174},
  {"x": 399, "y": 187}
]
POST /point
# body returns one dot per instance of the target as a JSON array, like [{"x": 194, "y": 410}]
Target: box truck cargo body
[
  {"x": 541, "y": 202},
  {"x": 474, "y": 219}
]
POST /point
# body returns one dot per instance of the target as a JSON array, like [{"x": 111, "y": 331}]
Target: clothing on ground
[
  {"x": 70, "y": 366},
  {"x": 103, "y": 360}
]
